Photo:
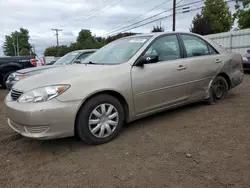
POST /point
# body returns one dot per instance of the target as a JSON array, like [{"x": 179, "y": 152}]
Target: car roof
[
  {"x": 85, "y": 50},
  {"x": 156, "y": 34}
]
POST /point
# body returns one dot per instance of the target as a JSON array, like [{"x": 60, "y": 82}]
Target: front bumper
[{"x": 47, "y": 120}]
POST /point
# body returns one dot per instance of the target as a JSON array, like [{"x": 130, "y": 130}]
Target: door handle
[
  {"x": 181, "y": 67},
  {"x": 218, "y": 61}
]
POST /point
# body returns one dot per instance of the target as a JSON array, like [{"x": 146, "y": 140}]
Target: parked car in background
[
  {"x": 14, "y": 63},
  {"x": 70, "y": 58},
  {"x": 246, "y": 61},
  {"x": 50, "y": 63},
  {"x": 125, "y": 80}
]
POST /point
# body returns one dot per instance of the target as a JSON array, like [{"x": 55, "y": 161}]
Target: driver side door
[{"x": 161, "y": 84}]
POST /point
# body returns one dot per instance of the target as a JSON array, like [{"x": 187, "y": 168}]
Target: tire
[
  {"x": 218, "y": 90},
  {"x": 5, "y": 77},
  {"x": 88, "y": 120}
]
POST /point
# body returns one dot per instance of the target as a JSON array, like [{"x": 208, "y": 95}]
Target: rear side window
[{"x": 195, "y": 46}]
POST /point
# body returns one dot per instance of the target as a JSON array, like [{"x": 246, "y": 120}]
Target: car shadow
[{"x": 165, "y": 114}]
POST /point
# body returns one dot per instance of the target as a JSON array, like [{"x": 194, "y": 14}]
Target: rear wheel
[
  {"x": 100, "y": 119},
  {"x": 218, "y": 90}
]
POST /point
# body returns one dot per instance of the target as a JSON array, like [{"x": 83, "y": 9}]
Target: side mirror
[
  {"x": 77, "y": 62},
  {"x": 146, "y": 59},
  {"x": 248, "y": 50}
]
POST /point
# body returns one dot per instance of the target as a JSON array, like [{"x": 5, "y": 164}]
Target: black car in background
[
  {"x": 15, "y": 63},
  {"x": 246, "y": 61}
]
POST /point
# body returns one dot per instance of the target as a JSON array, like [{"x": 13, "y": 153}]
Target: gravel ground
[{"x": 194, "y": 146}]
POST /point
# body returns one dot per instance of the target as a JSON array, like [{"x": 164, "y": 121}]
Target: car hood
[
  {"x": 36, "y": 70},
  {"x": 64, "y": 75}
]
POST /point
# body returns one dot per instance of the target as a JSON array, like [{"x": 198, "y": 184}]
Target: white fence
[{"x": 235, "y": 41}]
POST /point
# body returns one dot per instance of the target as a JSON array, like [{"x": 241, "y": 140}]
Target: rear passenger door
[{"x": 203, "y": 63}]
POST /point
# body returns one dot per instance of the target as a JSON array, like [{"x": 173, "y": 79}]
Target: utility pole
[
  {"x": 57, "y": 42},
  {"x": 174, "y": 14},
  {"x": 34, "y": 50},
  {"x": 17, "y": 45},
  {"x": 13, "y": 43}
]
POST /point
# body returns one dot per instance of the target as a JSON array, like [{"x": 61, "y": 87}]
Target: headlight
[
  {"x": 42, "y": 94},
  {"x": 15, "y": 77},
  {"x": 19, "y": 77},
  {"x": 244, "y": 59}
]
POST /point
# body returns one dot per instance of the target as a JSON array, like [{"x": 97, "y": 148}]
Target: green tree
[
  {"x": 242, "y": 13},
  {"x": 24, "y": 52},
  {"x": 21, "y": 37},
  {"x": 218, "y": 14},
  {"x": 118, "y": 36},
  {"x": 201, "y": 25},
  {"x": 84, "y": 40},
  {"x": 157, "y": 29},
  {"x": 52, "y": 50}
]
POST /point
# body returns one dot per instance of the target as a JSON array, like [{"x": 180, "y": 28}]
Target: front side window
[
  {"x": 166, "y": 47},
  {"x": 195, "y": 46},
  {"x": 118, "y": 51}
]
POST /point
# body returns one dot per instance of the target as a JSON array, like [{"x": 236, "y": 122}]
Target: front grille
[
  {"x": 36, "y": 129},
  {"x": 15, "y": 94}
]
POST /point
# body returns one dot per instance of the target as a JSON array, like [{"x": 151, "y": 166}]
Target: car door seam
[{"x": 163, "y": 88}]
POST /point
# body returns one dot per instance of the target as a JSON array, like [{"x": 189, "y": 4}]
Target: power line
[
  {"x": 97, "y": 8},
  {"x": 99, "y": 12},
  {"x": 182, "y": 12},
  {"x": 139, "y": 15},
  {"x": 161, "y": 19},
  {"x": 108, "y": 33}
]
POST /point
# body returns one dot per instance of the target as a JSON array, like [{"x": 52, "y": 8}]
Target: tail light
[{"x": 33, "y": 62}]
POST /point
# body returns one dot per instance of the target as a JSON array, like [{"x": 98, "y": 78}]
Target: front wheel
[
  {"x": 218, "y": 90},
  {"x": 100, "y": 119}
]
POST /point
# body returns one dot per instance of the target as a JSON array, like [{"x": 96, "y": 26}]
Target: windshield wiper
[{"x": 92, "y": 63}]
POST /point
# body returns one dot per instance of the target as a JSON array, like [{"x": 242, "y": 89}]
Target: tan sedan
[{"x": 125, "y": 80}]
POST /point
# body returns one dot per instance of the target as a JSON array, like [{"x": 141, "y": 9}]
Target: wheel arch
[
  {"x": 227, "y": 78},
  {"x": 113, "y": 93}
]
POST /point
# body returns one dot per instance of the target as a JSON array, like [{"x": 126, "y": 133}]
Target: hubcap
[
  {"x": 219, "y": 90},
  {"x": 103, "y": 120}
]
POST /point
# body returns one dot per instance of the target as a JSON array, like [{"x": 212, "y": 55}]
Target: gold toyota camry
[{"x": 125, "y": 80}]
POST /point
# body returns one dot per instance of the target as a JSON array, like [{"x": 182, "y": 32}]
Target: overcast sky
[{"x": 39, "y": 16}]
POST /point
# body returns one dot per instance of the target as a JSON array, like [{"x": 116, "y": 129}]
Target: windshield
[
  {"x": 66, "y": 59},
  {"x": 117, "y": 52}
]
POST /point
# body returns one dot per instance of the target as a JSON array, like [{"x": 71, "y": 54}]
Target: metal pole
[
  {"x": 13, "y": 42},
  {"x": 174, "y": 14},
  {"x": 57, "y": 41},
  {"x": 231, "y": 41},
  {"x": 34, "y": 49},
  {"x": 17, "y": 46}
]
